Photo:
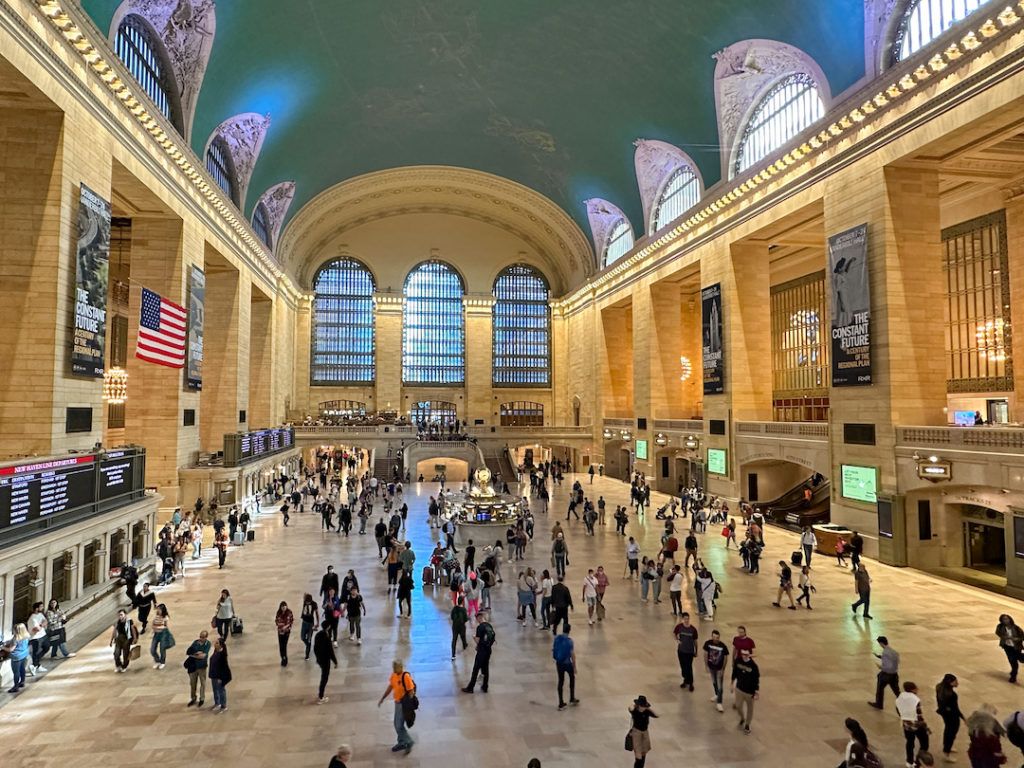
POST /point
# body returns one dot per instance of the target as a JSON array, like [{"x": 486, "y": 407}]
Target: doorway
[{"x": 985, "y": 548}]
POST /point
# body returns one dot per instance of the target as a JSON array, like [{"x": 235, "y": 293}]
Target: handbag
[
  {"x": 410, "y": 703},
  {"x": 629, "y": 740},
  {"x": 190, "y": 664}
]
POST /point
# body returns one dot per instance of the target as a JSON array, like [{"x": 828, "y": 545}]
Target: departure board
[
  {"x": 31, "y": 492},
  {"x": 117, "y": 474},
  {"x": 243, "y": 447}
]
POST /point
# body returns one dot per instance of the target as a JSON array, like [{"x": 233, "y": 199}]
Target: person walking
[
  {"x": 459, "y": 617},
  {"x": 590, "y": 595},
  {"x": 220, "y": 675},
  {"x": 546, "y": 585},
  {"x": 947, "y": 704},
  {"x": 559, "y": 554},
  {"x": 715, "y": 654},
  {"x": 220, "y": 541},
  {"x": 56, "y": 633},
  {"x": 341, "y": 757},
  {"x": 145, "y": 601},
  {"x": 888, "y": 673},
  {"x": 857, "y": 752},
  {"x": 633, "y": 558},
  {"x": 675, "y": 589},
  {"x": 329, "y": 581},
  {"x": 484, "y": 639},
  {"x": 284, "y": 621},
  {"x": 1014, "y": 726},
  {"x": 162, "y": 638},
  {"x": 639, "y": 736},
  {"x": 323, "y": 652},
  {"x": 225, "y": 613},
  {"x": 197, "y": 657},
  {"x": 561, "y": 604},
  {"x": 908, "y": 707},
  {"x": 808, "y": 542},
  {"x": 690, "y": 545},
  {"x": 122, "y": 638},
  {"x": 19, "y": 657},
  {"x": 746, "y": 681},
  {"x": 355, "y": 609},
  {"x": 37, "y": 624},
  {"x": 310, "y": 617},
  {"x": 805, "y": 587},
  {"x": 686, "y": 649},
  {"x": 1011, "y": 640},
  {"x": 405, "y": 585},
  {"x": 862, "y": 584},
  {"x": 985, "y": 731},
  {"x": 563, "y": 651},
  {"x": 856, "y": 548},
  {"x": 785, "y": 586},
  {"x": 400, "y": 684}
]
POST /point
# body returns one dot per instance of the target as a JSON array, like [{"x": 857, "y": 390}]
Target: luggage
[
  {"x": 250, "y": 535},
  {"x": 135, "y": 653},
  {"x": 796, "y": 558},
  {"x": 428, "y": 576},
  {"x": 236, "y": 626},
  {"x": 238, "y": 539}
]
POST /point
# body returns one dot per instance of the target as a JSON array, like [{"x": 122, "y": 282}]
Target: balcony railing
[
  {"x": 986, "y": 439},
  {"x": 406, "y": 431},
  {"x": 680, "y": 425},
  {"x": 796, "y": 430}
]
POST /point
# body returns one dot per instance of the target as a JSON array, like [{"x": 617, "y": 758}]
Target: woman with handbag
[
  {"x": 55, "y": 632},
  {"x": 638, "y": 740}
]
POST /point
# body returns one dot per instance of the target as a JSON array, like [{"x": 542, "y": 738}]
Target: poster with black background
[
  {"x": 851, "y": 307},
  {"x": 196, "y": 297},
  {"x": 712, "y": 349},
  {"x": 92, "y": 264}
]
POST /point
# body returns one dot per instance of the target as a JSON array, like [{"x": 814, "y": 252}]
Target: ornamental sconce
[
  {"x": 626, "y": 435},
  {"x": 607, "y": 434},
  {"x": 661, "y": 439},
  {"x": 691, "y": 442},
  {"x": 115, "y": 385}
]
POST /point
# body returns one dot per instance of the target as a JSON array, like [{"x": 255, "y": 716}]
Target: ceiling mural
[{"x": 549, "y": 95}]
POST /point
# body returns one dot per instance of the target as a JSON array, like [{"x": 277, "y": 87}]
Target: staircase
[{"x": 384, "y": 466}]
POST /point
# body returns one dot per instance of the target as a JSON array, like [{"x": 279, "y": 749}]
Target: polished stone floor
[{"x": 816, "y": 667}]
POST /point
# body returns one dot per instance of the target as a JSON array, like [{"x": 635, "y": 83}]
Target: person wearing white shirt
[
  {"x": 36, "y": 625},
  {"x": 808, "y": 541},
  {"x": 675, "y": 589},
  {"x": 908, "y": 707},
  {"x": 590, "y": 594},
  {"x": 633, "y": 558}
]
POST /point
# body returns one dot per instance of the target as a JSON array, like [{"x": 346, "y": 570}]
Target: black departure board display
[
  {"x": 243, "y": 447},
  {"x": 47, "y": 489}
]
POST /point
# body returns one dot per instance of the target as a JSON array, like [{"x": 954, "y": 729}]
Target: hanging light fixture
[
  {"x": 686, "y": 368},
  {"x": 661, "y": 439},
  {"x": 115, "y": 385}
]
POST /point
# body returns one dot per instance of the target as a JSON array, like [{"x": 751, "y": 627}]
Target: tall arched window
[
  {"x": 522, "y": 328},
  {"x": 790, "y": 107},
  {"x": 620, "y": 240},
  {"x": 261, "y": 224},
  {"x": 433, "y": 329},
  {"x": 924, "y": 20},
  {"x": 680, "y": 193},
  {"x": 220, "y": 166},
  {"x": 138, "y": 46},
  {"x": 343, "y": 339}
]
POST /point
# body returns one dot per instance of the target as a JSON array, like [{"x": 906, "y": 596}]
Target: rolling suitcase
[
  {"x": 796, "y": 558},
  {"x": 238, "y": 539},
  {"x": 428, "y": 576},
  {"x": 236, "y": 626},
  {"x": 250, "y": 535}
]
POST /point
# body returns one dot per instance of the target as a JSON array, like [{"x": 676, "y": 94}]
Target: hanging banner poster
[
  {"x": 712, "y": 339},
  {"x": 196, "y": 297},
  {"x": 851, "y": 308},
  {"x": 92, "y": 265}
]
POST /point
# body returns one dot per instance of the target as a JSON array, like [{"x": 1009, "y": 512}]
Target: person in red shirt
[{"x": 742, "y": 643}]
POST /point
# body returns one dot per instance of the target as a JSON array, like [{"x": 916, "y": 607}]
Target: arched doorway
[
  {"x": 789, "y": 493},
  {"x": 618, "y": 460},
  {"x": 454, "y": 470}
]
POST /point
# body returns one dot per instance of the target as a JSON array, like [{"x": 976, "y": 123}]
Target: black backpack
[
  {"x": 559, "y": 546},
  {"x": 1014, "y": 733}
]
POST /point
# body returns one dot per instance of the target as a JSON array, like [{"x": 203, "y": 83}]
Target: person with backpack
[
  {"x": 908, "y": 707},
  {"x": 563, "y": 651},
  {"x": 559, "y": 554},
  {"x": 484, "y": 640},
  {"x": 1011, "y": 640},
  {"x": 123, "y": 637},
  {"x": 401, "y": 686},
  {"x": 857, "y": 754}
]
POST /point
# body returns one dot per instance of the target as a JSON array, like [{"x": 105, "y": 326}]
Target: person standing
[
  {"x": 459, "y": 617},
  {"x": 310, "y": 617},
  {"x": 284, "y": 621},
  {"x": 122, "y": 638},
  {"x": 37, "y": 624},
  {"x": 715, "y": 654},
  {"x": 862, "y": 584},
  {"x": 633, "y": 558},
  {"x": 601, "y": 503},
  {"x": 856, "y": 549},
  {"x": 808, "y": 541},
  {"x": 404, "y": 594},
  {"x": 1011, "y": 640},
  {"x": 746, "y": 681},
  {"x": 341, "y": 758},
  {"x": 55, "y": 631},
  {"x": 948, "y": 708},
  {"x": 785, "y": 586},
  {"x": 399, "y": 684},
  {"x": 220, "y": 541},
  {"x": 145, "y": 602},
  {"x": 563, "y": 651},
  {"x": 908, "y": 707},
  {"x": 986, "y": 749},
  {"x": 559, "y": 554},
  {"x": 220, "y": 675},
  {"x": 19, "y": 651},
  {"x": 686, "y": 649},
  {"x": 485, "y": 639},
  {"x": 407, "y": 558},
  {"x": 640, "y": 715},
  {"x": 323, "y": 652},
  {"x": 225, "y": 613},
  {"x": 329, "y": 581},
  {"x": 561, "y": 604},
  {"x": 355, "y": 609},
  {"x": 196, "y": 659},
  {"x": 162, "y": 639},
  {"x": 675, "y": 589},
  {"x": 888, "y": 673},
  {"x": 546, "y": 585},
  {"x": 591, "y": 473}
]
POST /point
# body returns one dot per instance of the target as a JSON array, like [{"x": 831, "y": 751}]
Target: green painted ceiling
[{"x": 549, "y": 93}]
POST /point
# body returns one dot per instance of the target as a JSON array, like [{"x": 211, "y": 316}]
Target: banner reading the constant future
[
  {"x": 194, "y": 353},
  {"x": 851, "y": 307},
  {"x": 712, "y": 339},
  {"x": 92, "y": 266}
]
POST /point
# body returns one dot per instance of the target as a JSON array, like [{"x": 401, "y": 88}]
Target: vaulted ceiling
[{"x": 548, "y": 94}]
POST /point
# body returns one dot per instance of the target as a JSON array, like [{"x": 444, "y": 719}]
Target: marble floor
[{"x": 816, "y": 666}]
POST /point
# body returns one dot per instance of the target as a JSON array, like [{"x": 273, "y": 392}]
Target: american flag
[{"x": 161, "y": 331}]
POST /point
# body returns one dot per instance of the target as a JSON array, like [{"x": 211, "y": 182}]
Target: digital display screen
[
  {"x": 32, "y": 492},
  {"x": 885, "y": 518},
  {"x": 250, "y": 446},
  {"x": 117, "y": 474},
  {"x": 859, "y": 483},
  {"x": 717, "y": 463},
  {"x": 963, "y": 418},
  {"x": 1018, "y": 536},
  {"x": 641, "y": 450}
]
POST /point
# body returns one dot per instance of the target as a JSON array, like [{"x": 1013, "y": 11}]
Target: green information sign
[
  {"x": 859, "y": 483},
  {"x": 717, "y": 464}
]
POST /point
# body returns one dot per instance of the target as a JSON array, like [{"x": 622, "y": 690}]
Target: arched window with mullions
[
  {"x": 620, "y": 240},
  {"x": 222, "y": 168},
  {"x": 789, "y": 107},
  {"x": 261, "y": 224},
  {"x": 433, "y": 326},
  {"x": 680, "y": 193},
  {"x": 143, "y": 54},
  {"x": 343, "y": 344},
  {"x": 521, "y": 322},
  {"x": 924, "y": 20}
]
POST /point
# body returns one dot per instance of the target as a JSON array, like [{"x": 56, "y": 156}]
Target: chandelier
[
  {"x": 990, "y": 340},
  {"x": 115, "y": 385},
  {"x": 686, "y": 367}
]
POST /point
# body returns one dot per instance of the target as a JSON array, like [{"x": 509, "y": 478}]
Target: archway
[
  {"x": 453, "y": 470},
  {"x": 618, "y": 460},
  {"x": 788, "y": 493}
]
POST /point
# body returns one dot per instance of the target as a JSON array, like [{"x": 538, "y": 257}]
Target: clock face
[{"x": 483, "y": 476}]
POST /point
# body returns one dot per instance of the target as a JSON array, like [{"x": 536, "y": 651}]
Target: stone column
[
  {"x": 692, "y": 390},
  {"x": 1015, "y": 254},
  {"x": 561, "y": 413},
  {"x": 388, "y": 333},
  {"x": 479, "y": 343},
  {"x": 616, "y": 360},
  {"x": 261, "y": 361}
]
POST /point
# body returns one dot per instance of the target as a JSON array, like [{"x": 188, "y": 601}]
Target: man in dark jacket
[
  {"x": 561, "y": 604},
  {"x": 484, "y": 640},
  {"x": 323, "y": 651},
  {"x": 329, "y": 581},
  {"x": 746, "y": 680}
]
